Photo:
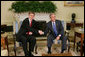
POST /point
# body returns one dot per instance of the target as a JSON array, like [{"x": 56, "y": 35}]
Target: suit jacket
[
  {"x": 59, "y": 28},
  {"x": 25, "y": 27}
]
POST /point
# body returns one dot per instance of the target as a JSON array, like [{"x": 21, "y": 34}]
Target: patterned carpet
[
  {"x": 63, "y": 54},
  {"x": 42, "y": 51}
]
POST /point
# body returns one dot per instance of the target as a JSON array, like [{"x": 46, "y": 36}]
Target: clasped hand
[
  {"x": 58, "y": 37},
  {"x": 30, "y": 33},
  {"x": 40, "y": 32}
]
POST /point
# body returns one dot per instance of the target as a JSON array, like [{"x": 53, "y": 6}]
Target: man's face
[
  {"x": 53, "y": 17},
  {"x": 31, "y": 16}
]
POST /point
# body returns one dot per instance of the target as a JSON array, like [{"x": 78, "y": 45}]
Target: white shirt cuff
[{"x": 60, "y": 35}]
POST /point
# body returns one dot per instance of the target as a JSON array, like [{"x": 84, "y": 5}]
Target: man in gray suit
[{"x": 56, "y": 32}]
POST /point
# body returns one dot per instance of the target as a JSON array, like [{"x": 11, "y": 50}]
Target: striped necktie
[{"x": 54, "y": 29}]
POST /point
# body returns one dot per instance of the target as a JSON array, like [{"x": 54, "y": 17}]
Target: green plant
[{"x": 34, "y": 6}]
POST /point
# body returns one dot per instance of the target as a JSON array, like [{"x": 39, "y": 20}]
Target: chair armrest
[
  {"x": 66, "y": 33},
  {"x": 14, "y": 36}
]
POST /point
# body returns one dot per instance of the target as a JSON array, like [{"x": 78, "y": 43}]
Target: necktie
[
  {"x": 30, "y": 23},
  {"x": 54, "y": 29},
  {"x": 30, "y": 26}
]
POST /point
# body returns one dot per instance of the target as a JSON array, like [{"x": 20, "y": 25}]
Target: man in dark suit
[
  {"x": 56, "y": 31},
  {"x": 27, "y": 33}
]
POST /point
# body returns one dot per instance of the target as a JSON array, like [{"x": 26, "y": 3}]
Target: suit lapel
[
  {"x": 28, "y": 22},
  {"x": 51, "y": 26},
  {"x": 33, "y": 23},
  {"x": 56, "y": 25}
]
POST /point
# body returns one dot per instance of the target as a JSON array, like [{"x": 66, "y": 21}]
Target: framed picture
[{"x": 73, "y": 3}]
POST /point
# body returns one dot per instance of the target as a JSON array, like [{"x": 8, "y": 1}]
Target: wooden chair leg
[
  {"x": 15, "y": 50},
  {"x": 14, "y": 46},
  {"x": 68, "y": 48},
  {"x": 6, "y": 39},
  {"x": 68, "y": 45},
  {"x": 3, "y": 42},
  {"x": 35, "y": 49},
  {"x": 77, "y": 48}
]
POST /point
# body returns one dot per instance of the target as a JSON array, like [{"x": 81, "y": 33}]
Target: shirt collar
[{"x": 29, "y": 20}]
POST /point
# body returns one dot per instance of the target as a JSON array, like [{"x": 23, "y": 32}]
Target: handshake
[{"x": 39, "y": 31}]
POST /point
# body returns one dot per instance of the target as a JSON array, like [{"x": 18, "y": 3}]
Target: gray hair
[{"x": 51, "y": 14}]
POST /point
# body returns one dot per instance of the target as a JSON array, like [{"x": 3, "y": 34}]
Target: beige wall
[
  {"x": 6, "y": 15},
  {"x": 63, "y": 12}
]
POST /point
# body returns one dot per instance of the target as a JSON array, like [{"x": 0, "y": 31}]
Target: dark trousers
[
  {"x": 32, "y": 42},
  {"x": 50, "y": 41}
]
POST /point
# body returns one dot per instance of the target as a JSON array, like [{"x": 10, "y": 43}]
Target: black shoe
[
  {"x": 27, "y": 54},
  {"x": 30, "y": 54},
  {"x": 63, "y": 50},
  {"x": 49, "y": 52}
]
